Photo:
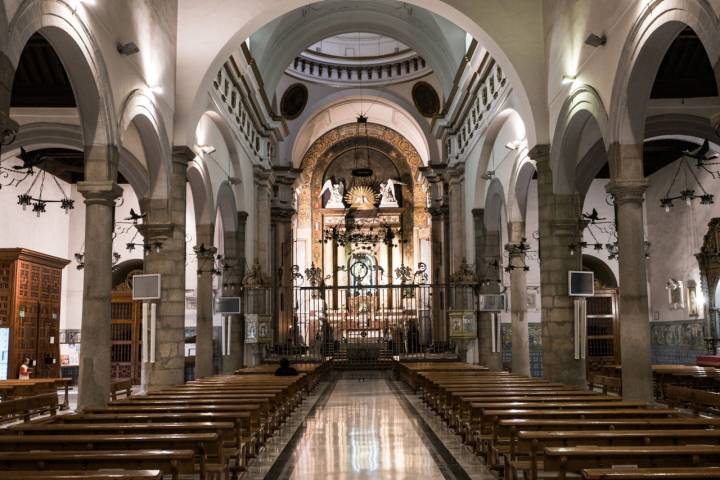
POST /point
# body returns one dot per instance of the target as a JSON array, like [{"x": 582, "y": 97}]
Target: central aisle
[{"x": 362, "y": 432}]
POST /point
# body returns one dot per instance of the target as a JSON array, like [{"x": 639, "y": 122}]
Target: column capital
[
  {"x": 281, "y": 214},
  {"x": 540, "y": 152},
  {"x": 627, "y": 191},
  {"x": 439, "y": 212},
  {"x": 182, "y": 154},
  {"x": 263, "y": 177},
  {"x": 565, "y": 227},
  {"x": 102, "y": 192},
  {"x": 242, "y": 217},
  {"x": 155, "y": 232},
  {"x": 478, "y": 213}
]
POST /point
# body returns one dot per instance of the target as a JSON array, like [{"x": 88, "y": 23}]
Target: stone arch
[
  {"x": 655, "y": 28},
  {"x": 225, "y": 206},
  {"x": 603, "y": 272},
  {"x": 429, "y": 148},
  {"x": 495, "y": 206},
  {"x": 79, "y": 52},
  {"x": 486, "y": 153},
  {"x": 521, "y": 68},
  {"x": 582, "y": 123},
  {"x": 140, "y": 110},
  {"x": 202, "y": 193},
  {"x": 680, "y": 124},
  {"x": 519, "y": 189}
]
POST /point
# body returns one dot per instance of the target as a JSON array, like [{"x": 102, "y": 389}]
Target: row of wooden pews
[
  {"x": 530, "y": 428},
  {"x": 208, "y": 427}
]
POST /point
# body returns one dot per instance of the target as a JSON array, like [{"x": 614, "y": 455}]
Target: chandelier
[
  {"x": 35, "y": 194},
  {"x": 363, "y": 171},
  {"x": 691, "y": 182},
  {"x": 351, "y": 234},
  {"x": 522, "y": 249}
]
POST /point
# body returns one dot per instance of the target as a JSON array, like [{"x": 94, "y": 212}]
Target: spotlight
[
  {"x": 595, "y": 40},
  {"x": 207, "y": 149},
  {"x": 157, "y": 90},
  {"x": 127, "y": 49},
  {"x": 568, "y": 78},
  {"x": 489, "y": 175}
]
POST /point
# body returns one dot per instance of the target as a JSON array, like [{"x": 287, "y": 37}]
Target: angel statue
[
  {"x": 387, "y": 193},
  {"x": 337, "y": 191}
]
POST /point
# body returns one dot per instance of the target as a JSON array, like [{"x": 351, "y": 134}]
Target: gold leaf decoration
[{"x": 362, "y": 197}]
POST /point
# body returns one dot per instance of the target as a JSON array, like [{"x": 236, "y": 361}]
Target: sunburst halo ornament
[{"x": 362, "y": 197}]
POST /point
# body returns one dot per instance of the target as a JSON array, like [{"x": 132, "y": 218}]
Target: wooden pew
[
  {"x": 698, "y": 401},
  {"x": 526, "y": 450},
  {"x": 84, "y": 475},
  {"x": 689, "y": 473},
  {"x": 606, "y": 384},
  {"x": 565, "y": 460},
  {"x": 121, "y": 387},
  {"x": 168, "y": 461},
  {"x": 26, "y": 407},
  {"x": 205, "y": 446}
]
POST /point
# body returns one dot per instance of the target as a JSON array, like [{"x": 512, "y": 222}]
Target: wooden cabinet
[
  {"x": 125, "y": 353},
  {"x": 30, "y": 293},
  {"x": 603, "y": 341}
]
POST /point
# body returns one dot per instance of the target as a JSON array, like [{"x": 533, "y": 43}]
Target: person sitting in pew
[{"x": 285, "y": 370}]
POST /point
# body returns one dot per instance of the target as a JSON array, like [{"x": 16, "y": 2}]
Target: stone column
[
  {"x": 559, "y": 222},
  {"x": 263, "y": 203},
  {"x": 234, "y": 279},
  {"x": 518, "y": 301},
  {"x": 204, "y": 329},
  {"x": 637, "y": 377},
  {"x": 94, "y": 382},
  {"x": 231, "y": 288},
  {"x": 487, "y": 252},
  {"x": 165, "y": 225}
]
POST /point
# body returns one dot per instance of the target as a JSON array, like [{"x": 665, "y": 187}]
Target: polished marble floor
[{"x": 361, "y": 431}]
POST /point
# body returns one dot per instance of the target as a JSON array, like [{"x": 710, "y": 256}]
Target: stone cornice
[
  {"x": 155, "y": 232},
  {"x": 262, "y": 176}
]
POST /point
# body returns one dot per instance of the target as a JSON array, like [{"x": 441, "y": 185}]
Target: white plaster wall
[
  {"x": 597, "y": 198},
  {"x": 675, "y": 238}
]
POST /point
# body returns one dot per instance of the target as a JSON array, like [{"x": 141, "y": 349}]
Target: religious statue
[
  {"x": 388, "y": 197},
  {"x": 337, "y": 191}
]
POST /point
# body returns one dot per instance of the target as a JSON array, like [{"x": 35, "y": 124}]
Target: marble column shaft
[
  {"x": 634, "y": 314},
  {"x": 166, "y": 225},
  {"x": 559, "y": 222},
  {"x": 487, "y": 249},
  {"x": 518, "y": 301},
  {"x": 94, "y": 380},
  {"x": 204, "y": 326}
]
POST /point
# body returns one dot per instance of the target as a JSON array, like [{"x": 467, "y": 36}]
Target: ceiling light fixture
[
  {"x": 687, "y": 194},
  {"x": 596, "y": 40}
]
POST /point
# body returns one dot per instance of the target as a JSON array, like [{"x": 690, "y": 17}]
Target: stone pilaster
[
  {"x": 518, "y": 300},
  {"x": 487, "y": 251},
  {"x": 456, "y": 193},
  {"x": 634, "y": 314},
  {"x": 165, "y": 225},
  {"x": 204, "y": 327},
  {"x": 559, "y": 222},
  {"x": 94, "y": 381},
  {"x": 440, "y": 271},
  {"x": 264, "y": 180}
]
